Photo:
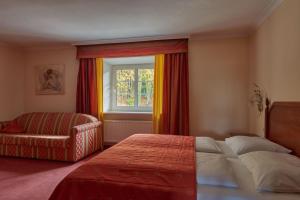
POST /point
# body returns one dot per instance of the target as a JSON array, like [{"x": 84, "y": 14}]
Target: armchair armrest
[
  {"x": 85, "y": 127},
  {"x": 86, "y": 139}
]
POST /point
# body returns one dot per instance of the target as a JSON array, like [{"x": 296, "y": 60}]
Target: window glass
[
  {"x": 145, "y": 87},
  {"x": 125, "y": 93},
  {"x": 132, "y": 88}
]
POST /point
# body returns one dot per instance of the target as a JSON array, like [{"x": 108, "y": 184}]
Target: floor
[{"x": 26, "y": 179}]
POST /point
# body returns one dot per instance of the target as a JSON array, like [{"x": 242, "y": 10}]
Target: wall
[
  {"x": 55, "y": 103},
  {"x": 117, "y": 130},
  {"x": 11, "y": 82},
  {"x": 66, "y": 102},
  {"x": 218, "y": 86},
  {"x": 221, "y": 75},
  {"x": 274, "y": 58}
]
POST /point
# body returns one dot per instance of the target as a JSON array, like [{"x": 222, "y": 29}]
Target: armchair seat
[{"x": 60, "y": 141}]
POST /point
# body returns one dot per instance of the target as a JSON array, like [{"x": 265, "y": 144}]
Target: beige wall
[
  {"x": 11, "y": 82},
  {"x": 59, "y": 103},
  {"x": 218, "y": 86},
  {"x": 275, "y": 58},
  {"x": 221, "y": 75}
]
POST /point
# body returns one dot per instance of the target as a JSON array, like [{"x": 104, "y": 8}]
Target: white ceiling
[
  {"x": 32, "y": 22},
  {"x": 130, "y": 60}
]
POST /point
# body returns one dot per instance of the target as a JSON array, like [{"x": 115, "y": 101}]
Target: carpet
[{"x": 26, "y": 179}]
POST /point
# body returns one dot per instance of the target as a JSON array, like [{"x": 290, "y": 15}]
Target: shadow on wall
[
  {"x": 222, "y": 136},
  {"x": 215, "y": 135}
]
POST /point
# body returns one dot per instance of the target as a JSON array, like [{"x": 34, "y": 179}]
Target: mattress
[{"x": 246, "y": 190}]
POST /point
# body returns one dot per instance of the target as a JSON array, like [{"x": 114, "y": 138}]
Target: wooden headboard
[{"x": 282, "y": 124}]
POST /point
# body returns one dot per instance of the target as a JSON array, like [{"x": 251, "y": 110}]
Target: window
[{"x": 132, "y": 87}]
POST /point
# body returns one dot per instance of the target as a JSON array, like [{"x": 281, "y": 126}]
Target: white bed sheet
[{"x": 246, "y": 190}]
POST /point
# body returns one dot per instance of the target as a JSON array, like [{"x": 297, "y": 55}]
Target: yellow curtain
[
  {"x": 99, "y": 74},
  {"x": 158, "y": 93}
]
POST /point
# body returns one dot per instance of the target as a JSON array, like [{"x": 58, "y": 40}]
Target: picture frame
[{"x": 50, "y": 79}]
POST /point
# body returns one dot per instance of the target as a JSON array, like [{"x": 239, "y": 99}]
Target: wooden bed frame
[{"x": 282, "y": 124}]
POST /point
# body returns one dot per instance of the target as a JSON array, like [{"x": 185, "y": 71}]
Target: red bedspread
[{"x": 142, "y": 167}]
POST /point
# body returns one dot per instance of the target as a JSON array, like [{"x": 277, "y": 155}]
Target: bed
[
  {"x": 282, "y": 121},
  {"x": 143, "y": 166},
  {"x": 163, "y": 167}
]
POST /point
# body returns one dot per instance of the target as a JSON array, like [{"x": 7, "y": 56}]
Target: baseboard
[{"x": 109, "y": 144}]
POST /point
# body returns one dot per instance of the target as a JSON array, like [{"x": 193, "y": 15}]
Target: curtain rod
[{"x": 132, "y": 39}]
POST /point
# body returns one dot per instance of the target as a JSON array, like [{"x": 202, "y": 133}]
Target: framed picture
[{"x": 50, "y": 79}]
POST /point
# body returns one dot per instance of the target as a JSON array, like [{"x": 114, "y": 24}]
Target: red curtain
[
  {"x": 86, "y": 98},
  {"x": 175, "y": 113},
  {"x": 132, "y": 49}
]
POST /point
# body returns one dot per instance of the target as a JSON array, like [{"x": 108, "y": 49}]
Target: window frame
[{"x": 135, "y": 108}]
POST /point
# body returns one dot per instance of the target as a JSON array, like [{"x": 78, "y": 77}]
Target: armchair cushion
[
  {"x": 3, "y": 124},
  {"x": 12, "y": 127}
]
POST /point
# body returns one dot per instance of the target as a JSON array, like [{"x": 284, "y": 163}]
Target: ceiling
[{"x": 33, "y": 22}]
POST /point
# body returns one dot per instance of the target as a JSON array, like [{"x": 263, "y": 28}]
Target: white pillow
[
  {"x": 273, "y": 172},
  {"x": 214, "y": 169},
  {"x": 207, "y": 144},
  {"x": 245, "y": 144}
]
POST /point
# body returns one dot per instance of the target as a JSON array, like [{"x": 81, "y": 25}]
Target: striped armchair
[{"x": 53, "y": 136}]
